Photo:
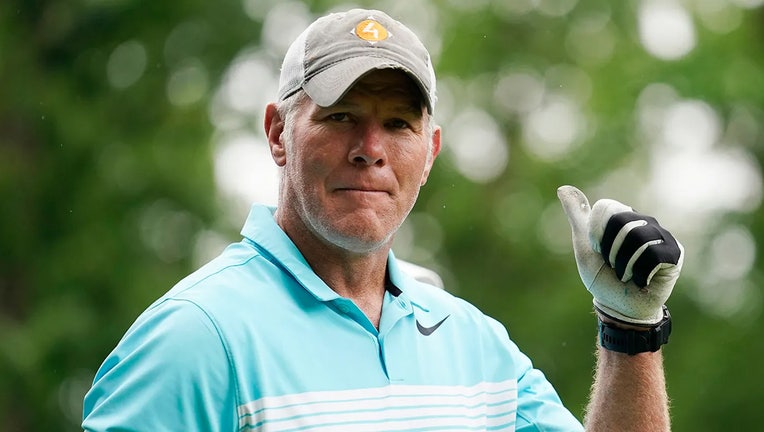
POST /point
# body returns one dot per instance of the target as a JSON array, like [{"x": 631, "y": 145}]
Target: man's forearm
[{"x": 628, "y": 394}]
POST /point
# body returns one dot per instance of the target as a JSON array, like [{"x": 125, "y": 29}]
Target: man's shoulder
[
  {"x": 237, "y": 278},
  {"x": 235, "y": 263}
]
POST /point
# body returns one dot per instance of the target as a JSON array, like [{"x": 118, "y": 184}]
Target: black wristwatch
[{"x": 635, "y": 341}]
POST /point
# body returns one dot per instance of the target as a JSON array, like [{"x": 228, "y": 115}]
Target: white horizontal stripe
[
  {"x": 391, "y": 401},
  {"x": 378, "y": 393},
  {"x": 361, "y": 413},
  {"x": 485, "y": 404},
  {"x": 440, "y": 423}
]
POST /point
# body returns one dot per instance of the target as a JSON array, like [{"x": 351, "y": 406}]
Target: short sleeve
[
  {"x": 169, "y": 372},
  {"x": 539, "y": 408}
]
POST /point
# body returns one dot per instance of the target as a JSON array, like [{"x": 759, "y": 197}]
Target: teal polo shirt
[{"x": 256, "y": 341}]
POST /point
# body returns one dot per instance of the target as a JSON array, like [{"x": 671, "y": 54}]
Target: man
[{"x": 309, "y": 323}]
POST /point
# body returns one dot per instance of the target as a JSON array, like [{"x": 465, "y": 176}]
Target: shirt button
[{"x": 343, "y": 308}]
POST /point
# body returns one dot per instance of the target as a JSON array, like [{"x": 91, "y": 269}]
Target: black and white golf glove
[{"x": 626, "y": 260}]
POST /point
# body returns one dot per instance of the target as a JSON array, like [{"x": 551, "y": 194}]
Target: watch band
[{"x": 631, "y": 341}]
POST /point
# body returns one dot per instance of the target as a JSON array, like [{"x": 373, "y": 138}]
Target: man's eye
[
  {"x": 339, "y": 117},
  {"x": 398, "y": 124}
]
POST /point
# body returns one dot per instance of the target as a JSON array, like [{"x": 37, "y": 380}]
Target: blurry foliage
[{"x": 104, "y": 189}]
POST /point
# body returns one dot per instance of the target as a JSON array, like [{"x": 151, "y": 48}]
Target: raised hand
[{"x": 626, "y": 260}]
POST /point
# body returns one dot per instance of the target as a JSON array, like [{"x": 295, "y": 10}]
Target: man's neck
[{"x": 359, "y": 277}]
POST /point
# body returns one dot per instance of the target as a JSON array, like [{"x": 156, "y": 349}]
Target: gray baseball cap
[{"x": 337, "y": 50}]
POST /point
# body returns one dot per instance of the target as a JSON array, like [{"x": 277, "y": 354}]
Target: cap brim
[{"x": 327, "y": 87}]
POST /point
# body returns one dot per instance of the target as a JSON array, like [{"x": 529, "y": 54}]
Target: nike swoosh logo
[{"x": 426, "y": 331}]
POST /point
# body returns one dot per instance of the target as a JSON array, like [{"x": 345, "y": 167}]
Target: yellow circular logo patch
[{"x": 370, "y": 30}]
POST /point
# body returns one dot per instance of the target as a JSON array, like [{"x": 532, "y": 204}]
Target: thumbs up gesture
[{"x": 627, "y": 261}]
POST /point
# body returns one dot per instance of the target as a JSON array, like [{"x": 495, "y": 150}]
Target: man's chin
[{"x": 360, "y": 243}]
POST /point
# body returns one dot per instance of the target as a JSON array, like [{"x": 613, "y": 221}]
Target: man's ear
[
  {"x": 274, "y": 126},
  {"x": 434, "y": 151}
]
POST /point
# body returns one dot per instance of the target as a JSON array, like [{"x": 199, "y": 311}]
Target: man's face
[{"x": 352, "y": 171}]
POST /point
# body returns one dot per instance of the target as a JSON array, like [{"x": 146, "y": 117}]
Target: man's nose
[{"x": 369, "y": 148}]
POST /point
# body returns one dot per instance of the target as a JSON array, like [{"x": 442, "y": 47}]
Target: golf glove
[{"x": 627, "y": 261}]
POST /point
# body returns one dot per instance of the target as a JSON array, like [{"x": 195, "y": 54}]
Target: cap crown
[{"x": 336, "y": 50}]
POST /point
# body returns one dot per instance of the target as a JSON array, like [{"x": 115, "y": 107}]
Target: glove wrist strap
[{"x": 631, "y": 341}]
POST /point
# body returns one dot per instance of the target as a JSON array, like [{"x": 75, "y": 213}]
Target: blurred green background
[{"x": 131, "y": 147}]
